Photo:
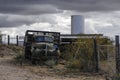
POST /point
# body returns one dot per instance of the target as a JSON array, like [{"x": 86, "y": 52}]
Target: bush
[
  {"x": 74, "y": 64},
  {"x": 80, "y": 53},
  {"x": 19, "y": 58},
  {"x": 50, "y": 63}
]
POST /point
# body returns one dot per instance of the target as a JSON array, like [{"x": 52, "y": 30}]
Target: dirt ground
[{"x": 9, "y": 70}]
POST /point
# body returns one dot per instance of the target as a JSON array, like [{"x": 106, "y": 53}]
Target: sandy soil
[{"x": 10, "y": 71}]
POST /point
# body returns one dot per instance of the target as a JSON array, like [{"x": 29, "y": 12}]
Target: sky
[{"x": 101, "y": 16}]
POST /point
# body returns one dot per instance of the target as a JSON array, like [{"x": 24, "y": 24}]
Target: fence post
[
  {"x": 0, "y": 37},
  {"x": 8, "y": 39},
  {"x": 96, "y": 55},
  {"x": 17, "y": 40},
  {"x": 117, "y": 54}
]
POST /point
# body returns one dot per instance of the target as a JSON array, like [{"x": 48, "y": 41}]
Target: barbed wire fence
[
  {"x": 15, "y": 40},
  {"x": 107, "y": 60}
]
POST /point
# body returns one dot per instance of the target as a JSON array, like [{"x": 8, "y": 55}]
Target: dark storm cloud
[
  {"x": 15, "y": 20},
  {"x": 88, "y": 5},
  {"x": 50, "y": 6},
  {"x": 27, "y": 7},
  {"x": 37, "y": 7},
  {"x": 7, "y": 20}
]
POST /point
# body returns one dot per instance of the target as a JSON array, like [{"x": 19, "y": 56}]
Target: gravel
[{"x": 10, "y": 71}]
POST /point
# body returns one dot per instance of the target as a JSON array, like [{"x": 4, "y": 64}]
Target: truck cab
[{"x": 41, "y": 45}]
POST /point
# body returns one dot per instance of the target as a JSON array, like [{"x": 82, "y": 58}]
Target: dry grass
[{"x": 37, "y": 72}]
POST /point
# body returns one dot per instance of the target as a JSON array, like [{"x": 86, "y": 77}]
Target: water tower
[{"x": 77, "y": 24}]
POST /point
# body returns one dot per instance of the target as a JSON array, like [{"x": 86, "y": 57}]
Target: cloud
[
  {"x": 12, "y": 20},
  {"x": 15, "y": 20},
  {"x": 103, "y": 23},
  {"x": 36, "y": 7},
  {"x": 25, "y": 7},
  {"x": 19, "y": 20},
  {"x": 102, "y": 16},
  {"x": 14, "y": 13},
  {"x": 95, "y": 22},
  {"x": 89, "y": 5},
  {"x": 60, "y": 23},
  {"x": 90, "y": 27}
]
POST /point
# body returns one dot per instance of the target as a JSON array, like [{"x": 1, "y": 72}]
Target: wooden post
[
  {"x": 17, "y": 40},
  {"x": 0, "y": 37},
  {"x": 8, "y": 40},
  {"x": 117, "y": 54},
  {"x": 96, "y": 55}
]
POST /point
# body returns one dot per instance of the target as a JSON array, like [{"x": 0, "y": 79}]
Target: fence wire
[{"x": 107, "y": 59}]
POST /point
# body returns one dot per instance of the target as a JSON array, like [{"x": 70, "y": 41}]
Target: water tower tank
[{"x": 77, "y": 24}]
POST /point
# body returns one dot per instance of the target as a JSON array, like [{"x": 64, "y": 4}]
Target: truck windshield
[
  {"x": 43, "y": 39},
  {"x": 45, "y": 46}
]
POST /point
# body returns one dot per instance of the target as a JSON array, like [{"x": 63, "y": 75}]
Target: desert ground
[{"x": 10, "y": 69}]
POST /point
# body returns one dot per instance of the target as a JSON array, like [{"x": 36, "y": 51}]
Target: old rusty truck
[{"x": 41, "y": 45}]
